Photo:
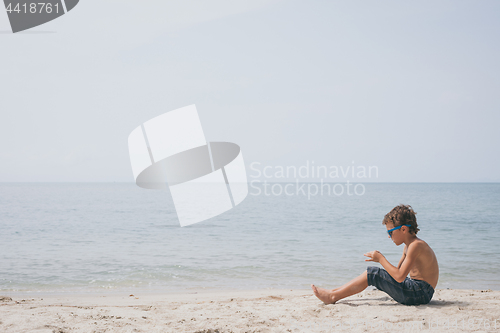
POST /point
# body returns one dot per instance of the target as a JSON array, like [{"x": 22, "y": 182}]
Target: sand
[{"x": 250, "y": 311}]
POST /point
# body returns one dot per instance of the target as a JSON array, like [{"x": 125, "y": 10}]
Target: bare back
[{"x": 426, "y": 265}]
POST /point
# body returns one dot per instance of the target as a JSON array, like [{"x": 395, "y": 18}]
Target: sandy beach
[{"x": 248, "y": 311}]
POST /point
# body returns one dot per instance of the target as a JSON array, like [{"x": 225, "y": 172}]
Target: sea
[{"x": 116, "y": 237}]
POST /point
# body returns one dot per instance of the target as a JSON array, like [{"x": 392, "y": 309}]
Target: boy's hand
[{"x": 373, "y": 256}]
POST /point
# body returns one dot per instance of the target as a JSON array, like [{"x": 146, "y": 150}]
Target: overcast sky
[{"x": 411, "y": 87}]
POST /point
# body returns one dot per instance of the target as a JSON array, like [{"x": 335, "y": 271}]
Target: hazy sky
[{"x": 411, "y": 87}]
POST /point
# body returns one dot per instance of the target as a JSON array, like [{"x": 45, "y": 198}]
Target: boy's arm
[
  {"x": 403, "y": 256},
  {"x": 398, "y": 273}
]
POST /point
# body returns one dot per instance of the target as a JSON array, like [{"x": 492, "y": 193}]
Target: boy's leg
[{"x": 352, "y": 287}]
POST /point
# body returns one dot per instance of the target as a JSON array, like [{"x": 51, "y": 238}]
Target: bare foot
[{"x": 325, "y": 295}]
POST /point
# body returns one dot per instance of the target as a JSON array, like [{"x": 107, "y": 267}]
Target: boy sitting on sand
[{"x": 418, "y": 259}]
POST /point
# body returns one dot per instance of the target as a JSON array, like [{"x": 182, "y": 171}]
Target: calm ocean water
[{"x": 95, "y": 237}]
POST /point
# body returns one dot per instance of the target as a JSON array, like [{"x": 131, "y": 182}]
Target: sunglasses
[{"x": 390, "y": 231}]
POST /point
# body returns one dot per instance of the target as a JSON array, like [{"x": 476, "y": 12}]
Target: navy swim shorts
[{"x": 408, "y": 292}]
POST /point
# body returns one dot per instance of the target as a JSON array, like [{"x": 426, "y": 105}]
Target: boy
[{"x": 418, "y": 259}]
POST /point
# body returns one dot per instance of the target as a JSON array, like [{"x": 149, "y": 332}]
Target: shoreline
[
  {"x": 246, "y": 311},
  {"x": 194, "y": 290}
]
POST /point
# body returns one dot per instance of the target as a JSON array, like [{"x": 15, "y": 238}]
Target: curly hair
[{"x": 402, "y": 214}]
